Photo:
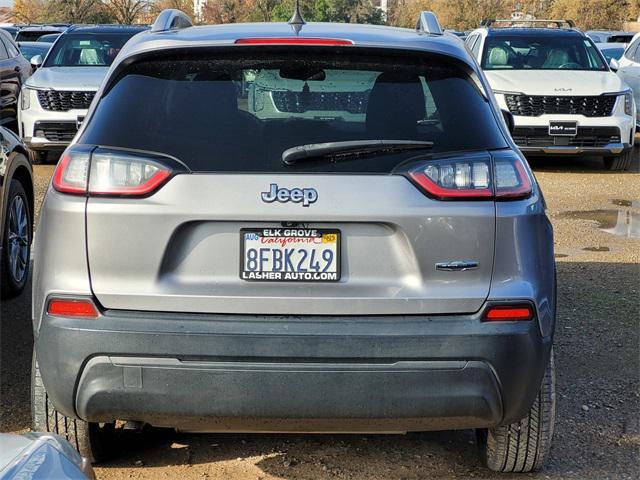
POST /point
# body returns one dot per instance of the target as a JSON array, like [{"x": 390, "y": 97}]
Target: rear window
[{"x": 224, "y": 112}]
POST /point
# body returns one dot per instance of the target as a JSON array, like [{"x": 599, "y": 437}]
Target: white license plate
[{"x": 290, "y": 255}]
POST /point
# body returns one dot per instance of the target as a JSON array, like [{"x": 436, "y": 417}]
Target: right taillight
[
  {"x": 473, "y": 177},
  {"x": 109, "y": 172}
]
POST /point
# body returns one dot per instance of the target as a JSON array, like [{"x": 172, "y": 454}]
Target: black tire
[
  {"x": 16, "y": 241},
  {"x": 524, "y": 446},
  {"x": 620, "y": 162},
  {"x": 92, "y": 440}
]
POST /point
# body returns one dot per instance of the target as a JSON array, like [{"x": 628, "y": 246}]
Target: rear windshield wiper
[{"x": 340, "y": 151}]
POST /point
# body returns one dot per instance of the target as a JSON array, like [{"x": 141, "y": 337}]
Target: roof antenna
[{"x": 296, "y": 20}]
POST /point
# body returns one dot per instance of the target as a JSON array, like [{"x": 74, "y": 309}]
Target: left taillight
[
  {"x": 105, "y": 172},
  {"x": 473, "y": 177}
]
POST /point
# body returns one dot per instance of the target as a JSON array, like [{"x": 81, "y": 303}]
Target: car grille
[
  {"x": 586, "y": 137},
  {"x": 62, "y": 101},
  {"x": 295, "y": 102},
  {"x": 534, "y": 106},
  {"x": 56, "y": 131}
]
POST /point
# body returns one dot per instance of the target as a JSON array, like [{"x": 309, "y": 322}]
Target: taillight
[
  {"x": 473, "y": 177},
  {"x": 104, "y": 172},
  {"x": 68, "y": 307},
  {"x": 508, "y": 313},
  {"x": 293, "y": 41}
]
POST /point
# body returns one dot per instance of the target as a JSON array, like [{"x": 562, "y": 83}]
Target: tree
[
  {"x": 185, "y": 6},
  {"x": 126, "y": 11},
  {"x": 30, "y": 11}
]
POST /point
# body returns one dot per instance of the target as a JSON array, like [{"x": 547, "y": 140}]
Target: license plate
[
  {"x": 563, "y": 129},
  {"x": 289, "y": 255}
]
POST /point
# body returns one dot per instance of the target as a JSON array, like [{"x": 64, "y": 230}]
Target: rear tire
[
  {"x": 620, "y": 162},
  {"x": 93, "y": 441},
  {"x": 16, "y": 242},
  {"x": 523, "y": 446}
]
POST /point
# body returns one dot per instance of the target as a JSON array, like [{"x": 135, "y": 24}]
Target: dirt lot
[{"x": 597, "y": 355}]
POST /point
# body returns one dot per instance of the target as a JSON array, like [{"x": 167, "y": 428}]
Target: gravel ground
[{"x": 597, "y": 356}]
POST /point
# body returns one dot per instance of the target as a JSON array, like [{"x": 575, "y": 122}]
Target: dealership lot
[{"x": 596, "y": 344}]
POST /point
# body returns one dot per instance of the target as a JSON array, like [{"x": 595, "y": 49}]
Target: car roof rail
[
  {"x": 428, "y": 24},
  {"x": 171, "y": 19},
  {"x": 488, "y": 22}
]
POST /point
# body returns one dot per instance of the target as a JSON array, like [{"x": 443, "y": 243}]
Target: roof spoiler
[
  {"x": 428, "y": 24},
  {"x": 171, "y": 19},
  {"x": 516, "y": 23}
]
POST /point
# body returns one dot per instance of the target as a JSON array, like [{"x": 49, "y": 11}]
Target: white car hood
[
  {"x": 68, "y": 78},
  {"x": 554, "y": 82}
]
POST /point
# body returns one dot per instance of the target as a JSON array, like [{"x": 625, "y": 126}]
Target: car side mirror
[
  {"x": 508, "y": 119},
  {"x": 36, "y": 61},
  {"x": 614, "y": 65}
]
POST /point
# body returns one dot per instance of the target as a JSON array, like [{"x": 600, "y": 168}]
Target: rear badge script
[{"x": 306, "y": 196}]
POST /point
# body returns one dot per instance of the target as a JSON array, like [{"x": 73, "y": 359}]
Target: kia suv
[
  {"x": 564, "y": 98},
  {"x": 55, "y": 99},
  {"x": 281, "y": 227}
]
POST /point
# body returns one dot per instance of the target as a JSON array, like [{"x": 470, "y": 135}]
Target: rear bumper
[{"x": 266, "y": 373}]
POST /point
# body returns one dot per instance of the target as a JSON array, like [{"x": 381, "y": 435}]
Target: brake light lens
[
  {"x": 72, "y": 172},
  {"x": 508, "y": 313},
  {"x": 109, "y": 173},
  {"x": 293, "y": 41},
  {"x": 473, "y": 177},
  {"x": 65, "y": 307}
]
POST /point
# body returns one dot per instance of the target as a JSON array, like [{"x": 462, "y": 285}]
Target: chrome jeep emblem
[{"x": 306, "y": 196}]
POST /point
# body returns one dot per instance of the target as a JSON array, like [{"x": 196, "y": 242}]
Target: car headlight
[
  {"x": 25, "y": 96},
  {"x": 628, "y": 103}
]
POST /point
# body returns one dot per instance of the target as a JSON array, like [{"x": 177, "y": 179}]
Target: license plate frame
[
  {"x": 563, "y": 128},
  {"x": 287, "y": 276}
]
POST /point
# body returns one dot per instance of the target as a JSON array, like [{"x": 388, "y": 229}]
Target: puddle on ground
[
  {"x": 617, "y": 222},
  {"x": 626, "y": 203},
  {"x": 596, "y": 249}
]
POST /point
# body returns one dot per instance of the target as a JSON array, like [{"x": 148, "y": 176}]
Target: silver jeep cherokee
[{"x": 296, "y": 227}]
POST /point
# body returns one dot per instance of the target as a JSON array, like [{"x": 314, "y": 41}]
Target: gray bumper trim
[{"x": 303, "y": 396}]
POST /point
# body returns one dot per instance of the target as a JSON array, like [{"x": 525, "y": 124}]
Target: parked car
[
  {"x": 564, "y": 98},
  {"x": 14, "y": 70},
  {"x": 16, "y": 213},
  {"x": 49, "y": 37},
  {"x": 31, "y": 49},
  {"x": 611, "y": 51},
  {"x": 56, "y": 97},
  {"x": 628, "y": 69},
  {"x": 202, "y": 264},
  {"x": 609, "y": 36},
  {"x": 41, "y": 456},
  {"x": 12, "y": 30},
  {"x": 32, "y": 33}
]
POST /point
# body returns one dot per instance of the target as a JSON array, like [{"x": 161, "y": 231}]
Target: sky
[{"x": 6, "y": 3}]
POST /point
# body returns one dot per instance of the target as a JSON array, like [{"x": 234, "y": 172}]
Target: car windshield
[
  {"x": 612, "y": 53},
  {"x": 30, "y": 51},
  {"x": 223, "y": 111},
  {"x": 87, "y": 49},
  {"x": 542, "y": 52}
]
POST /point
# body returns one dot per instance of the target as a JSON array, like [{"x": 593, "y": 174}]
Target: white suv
[
  {"x": 564, "y": 98},
  {"x": 55, "y": 99},
  {"x": 628, "y": 68}
]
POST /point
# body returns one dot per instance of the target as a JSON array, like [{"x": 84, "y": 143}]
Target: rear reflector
[
  {"x": 293, "y": 41},
  {"x": 64, "y": 307},
  {"x": 508, "y": 313}
]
